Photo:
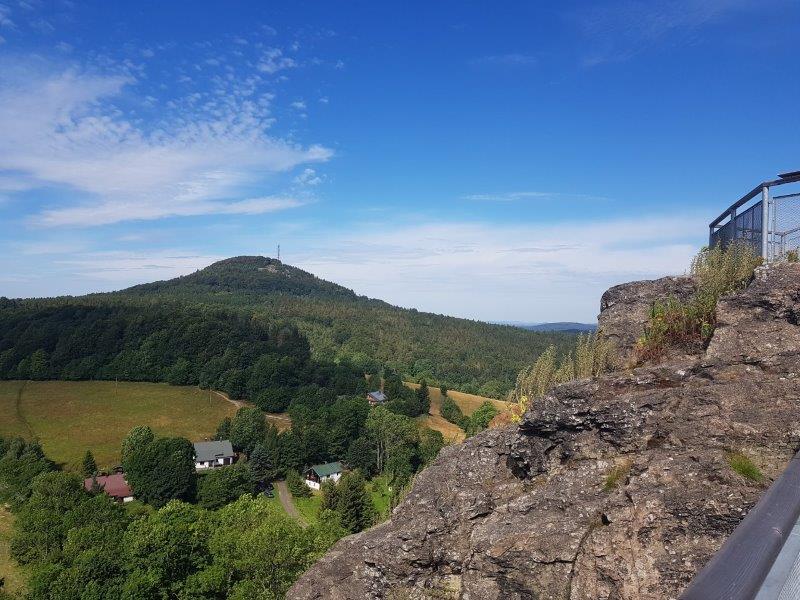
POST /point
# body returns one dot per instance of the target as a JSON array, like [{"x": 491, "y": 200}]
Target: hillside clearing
[
  {"x": 468, "y": 403},
  {"x": 70, "y": 417}
]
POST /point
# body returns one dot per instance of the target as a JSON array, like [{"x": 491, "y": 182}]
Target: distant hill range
[
  {"x": 466, "y": 355},
  {"x": 565, "y": 326}
]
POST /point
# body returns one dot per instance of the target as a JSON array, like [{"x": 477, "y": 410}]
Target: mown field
[
  {"x": 468, "y": 403},
  {"x": 69, "y": 417}
]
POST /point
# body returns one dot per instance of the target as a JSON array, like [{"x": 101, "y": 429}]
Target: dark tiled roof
[{"x": 210, "y": 451}]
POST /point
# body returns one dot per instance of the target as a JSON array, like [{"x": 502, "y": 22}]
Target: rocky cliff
[{"x": 616, "y": 487}]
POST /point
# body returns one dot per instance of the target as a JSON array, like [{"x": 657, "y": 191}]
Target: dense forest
[
  {"x": 268, "y": 363},
  {"x": 466, "y": 355}
]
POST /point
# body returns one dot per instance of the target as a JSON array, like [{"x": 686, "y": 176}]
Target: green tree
[
  {"x": 223, "y": 429},
  {"x": 443, "y": 390},
  {"x": 165, "y": 548},
  {"x": 480, "y": 419},
  {"x": 89, "y": 464},
  {"x": 361, "y": 455},
  {"x": 248, "y": 429},
  {"x": 423, "y": 398},
  {"x": 390, "y": 433},
  {"x": 353, "y": 503},
  {"x": 137, "y": 438},
  {"x": 221, "y": 486},
  {"x": 430, "y": 442},
  {"x": 38, "y": 368},
  {"x": 452, "y": 412},
  {"x": 261, "y": 465},
  {"x": 41, "y": 526},
  {"x": 297, "y": 485},
  {"x": 163, "y": 470}
]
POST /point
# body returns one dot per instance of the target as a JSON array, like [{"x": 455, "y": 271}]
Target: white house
[
  {"x": 319, "y": 474},
  {"x": 210, "y": 455}
]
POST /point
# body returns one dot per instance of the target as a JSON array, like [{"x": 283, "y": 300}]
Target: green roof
[{"x": 327, "y": 469}]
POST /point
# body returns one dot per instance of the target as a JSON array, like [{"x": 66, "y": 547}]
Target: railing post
[{"x": 765, "y": 223}]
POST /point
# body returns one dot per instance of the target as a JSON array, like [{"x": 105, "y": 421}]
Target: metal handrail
[
  {"x": 738, "y": 569},
  {"x": 789, "y": 178}
]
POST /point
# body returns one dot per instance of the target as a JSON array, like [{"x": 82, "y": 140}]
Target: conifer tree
[
  {"x": 353, "y": 503},
  {"x": 89, "y": 464}
]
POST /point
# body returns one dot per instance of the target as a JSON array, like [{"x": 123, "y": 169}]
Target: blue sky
[{"x": 500, "y": 162}]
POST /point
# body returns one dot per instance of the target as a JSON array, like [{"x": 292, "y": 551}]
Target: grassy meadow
[{"x": 69, "y": 417}]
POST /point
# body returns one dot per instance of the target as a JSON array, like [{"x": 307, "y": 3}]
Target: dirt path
[
  {"x": 236, "y": 403},
  {"x": 282, "y": 422},
  {"x": 286, "y": 501}
]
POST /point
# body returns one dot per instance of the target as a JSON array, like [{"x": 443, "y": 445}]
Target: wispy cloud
[
  {"x": 121, "y": 268},
  {"x": 433, "y": 263},
  {"x": 506, "y": 60},
  {"x": 273, "y": 60},
  {"x": 5, "y": 17},
  {"x": 63, "y": 127},
  {"x": 621, "y": 29},
  {"x": 517, "y": 196}
]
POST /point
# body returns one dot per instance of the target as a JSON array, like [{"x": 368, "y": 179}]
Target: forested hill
[
  {"x": 247, "y": 278},
  {"x": 466, "y": 355}
]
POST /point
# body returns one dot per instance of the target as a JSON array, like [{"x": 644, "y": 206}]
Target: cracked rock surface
[{"x": 617, "y": 487}]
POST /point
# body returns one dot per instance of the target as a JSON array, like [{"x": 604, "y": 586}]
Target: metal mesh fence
[
  {"x": 785, "y": 226},
  {"x": 767, "y": 218},
  {"x": 745, "y": 227}
]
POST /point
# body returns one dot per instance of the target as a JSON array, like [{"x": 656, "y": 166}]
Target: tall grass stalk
[
  {"x": 674, "y": 323},
  {"x": 591, "y": 356}
]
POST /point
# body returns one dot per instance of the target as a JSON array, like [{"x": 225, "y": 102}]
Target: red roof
[{"x": 113, "y": 485}]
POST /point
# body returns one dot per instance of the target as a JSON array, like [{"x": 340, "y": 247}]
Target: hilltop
[
  {"x": 621, "y": 486},
  {"x": 470, "y": 356}
]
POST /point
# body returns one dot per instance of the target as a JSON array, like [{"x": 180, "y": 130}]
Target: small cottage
[
  {"x": 319, "y": 474},
  {"x": 113, "y": 485},
  {"x": 375, "y": 398},
  {"x": 210, "y": 455}
]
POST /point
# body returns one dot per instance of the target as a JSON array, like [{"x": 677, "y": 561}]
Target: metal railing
[
  {"x": 768, "y": 222},
  {"x": 758, "y": 560}
]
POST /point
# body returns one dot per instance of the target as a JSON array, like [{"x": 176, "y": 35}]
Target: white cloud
[
  {"x": 114, "y": 212},
  {"x": 62, "y": 129},
  {"x": 299, "y": 104},
  {"x": 533, "y": 272},
  {"x": 273, "y": 61},
  {"x": 308, "y": 178}
]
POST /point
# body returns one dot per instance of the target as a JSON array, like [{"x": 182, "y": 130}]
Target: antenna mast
[{"x": 279, "y": 251}]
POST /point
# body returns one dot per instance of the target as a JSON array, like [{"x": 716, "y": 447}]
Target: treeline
[
  {"x": 267, "y": 362},
  {"x": 470, "y": 356}
]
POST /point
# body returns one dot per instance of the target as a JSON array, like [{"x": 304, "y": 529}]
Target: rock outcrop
[
  {"x": 615, "y": 487},
  {"x": 625, "y": 309}
]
